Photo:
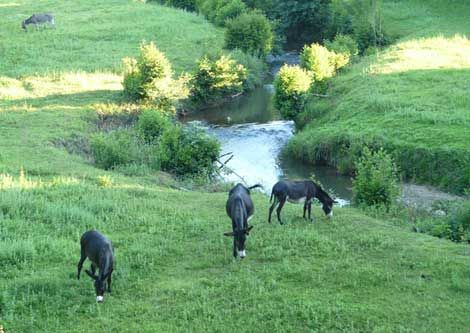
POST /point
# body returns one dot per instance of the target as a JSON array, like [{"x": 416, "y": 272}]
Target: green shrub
[
  {"x": 149, "y": 77},
  {"x": 256, "y": 69},
  {"x": 190, "y": 5},
  {"x": 114, "y": 148},
  {"x": 291, "y": 84},
  {"x": 216, "y": 79},
  {"x": 359, "y": 18},
  {"x": 318, "y": 61},
  {"x": 250, "y": 32},
  {"x": 152, "y": 124},
  {"x": 219, "y": 11},
  {"x": 376, "y": 181},
  {"x": 187, "y": 150},
  {"x": 344, "y": 47},
  {"x": 155, "y": 143}
]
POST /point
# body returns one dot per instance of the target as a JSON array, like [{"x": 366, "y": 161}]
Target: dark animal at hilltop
[
  {"x": 38, "y": 19},
  {"x": 301, "y": 192},
  {"x": 99, "y": 250},
  {"x": 240, "y": 209}
]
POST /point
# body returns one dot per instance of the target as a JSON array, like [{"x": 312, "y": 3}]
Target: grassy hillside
[
  {"x": 411, "y": 98},
  {"x": 174, "y": 270},
  {"x": 50, "y": 80}
]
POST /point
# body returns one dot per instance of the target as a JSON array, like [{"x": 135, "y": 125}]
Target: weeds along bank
[
  {"x": 175, "y": 271},
  {"x": 410, "y": 99}
]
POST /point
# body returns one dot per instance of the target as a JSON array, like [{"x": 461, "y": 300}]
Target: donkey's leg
[
  {"x": 310, "y": 211},
  {"x": 234, "y": 247},
  {"x": 275, "y": 202},
  {"x": 282, "y": 201},
  {"x": 305, "y": 208},
  {"x": 80, "y": 263}
]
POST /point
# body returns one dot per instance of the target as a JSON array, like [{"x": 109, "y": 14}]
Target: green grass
[
  {"x": 174, "y": 270},
  {"x": 411, "y": 98},
  {"x": 51, "y": 79}
]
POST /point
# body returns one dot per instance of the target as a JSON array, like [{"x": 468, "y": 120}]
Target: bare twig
[
  {"x": 236, "y": 95},
  {"x": 229, "y": 153},
  {"x": 319, "y": 95}
]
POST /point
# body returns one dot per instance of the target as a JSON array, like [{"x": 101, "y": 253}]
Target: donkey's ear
[
  {"x": 228, "y": 233},
  {"x": 90, "y": 274}
]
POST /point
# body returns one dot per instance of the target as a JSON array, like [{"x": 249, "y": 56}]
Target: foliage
[
  {"x": 159, "y": 144},
  {"x": 376, "y": 181},
  {"x": 344, "y": 47},
  {"x": 114, "y": 148},
  {"x": 291, "y": 84},
  {"x": 362, "y": 19},
  {"x": 190, "y": 5},
  {"x": 188, "y": 151},
  {"x": 151, "y": 125},
  {"x": 318, "y": 61},
  {"x": 149, "y": 78},
  {"x": 256, "y": 68},
  {"x": 250, "y": 32},
  {"x": 219, "y": 11},
  {"x": 216, "y": 79}
]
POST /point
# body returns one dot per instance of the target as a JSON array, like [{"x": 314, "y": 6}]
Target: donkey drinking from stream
[
  {"x": 301, "y": 192},
  {"x": 99, "y": 250},
  {"x": 240, "y": 209}
]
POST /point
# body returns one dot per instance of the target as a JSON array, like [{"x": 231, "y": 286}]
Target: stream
[{"x": 251, "y": 129}]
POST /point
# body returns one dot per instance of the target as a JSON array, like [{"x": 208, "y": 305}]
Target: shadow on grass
[{"x": 66, "y": 101}]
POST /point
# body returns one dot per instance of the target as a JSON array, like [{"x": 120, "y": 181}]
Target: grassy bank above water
[{"x": 410, "y": 98}]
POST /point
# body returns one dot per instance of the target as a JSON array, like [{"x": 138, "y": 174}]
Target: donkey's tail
[
  {"x": 255, "y": 186},
  {"x": 271, "y": 198}
]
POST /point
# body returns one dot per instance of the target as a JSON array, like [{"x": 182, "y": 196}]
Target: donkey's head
[
  {"x": 239, "y": 240},
  {"x": 100, "y": 285}
]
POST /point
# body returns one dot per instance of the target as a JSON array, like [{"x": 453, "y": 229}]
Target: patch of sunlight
[
  {"x": 8, "y": 181},
  {"x": 426, "y": 54},
  {"x": 10, "y": 4},
  {"x": 57, "y": 84}
]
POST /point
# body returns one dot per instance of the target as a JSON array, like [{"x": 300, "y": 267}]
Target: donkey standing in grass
[
  {"x": 240, "y": 209},
  {"x": 300, "y": 192},
  {"x": 97, "y": 248},
  {"x": 37, "y": 20}
]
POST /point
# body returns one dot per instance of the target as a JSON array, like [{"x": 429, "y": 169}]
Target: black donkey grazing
[
  {"x": 99, "y": 250},
  {"x": 301, "y": 192},
  {"x": 240, "y": 209}
]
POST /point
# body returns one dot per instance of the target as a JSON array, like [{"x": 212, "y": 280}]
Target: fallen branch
[
  {"x": 236, "y": 95},
  {"x": 319, "y": 95}
]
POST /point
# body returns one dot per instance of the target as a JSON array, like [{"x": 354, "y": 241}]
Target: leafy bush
[
  {"x": 362, "y": 19},
  {"x": 219, "y": 11},
  {"x": 344, "y": 47},
  {"x": 291, "y": 85},
  {"x": 250, "y": 32},
  {"x": 318, "y": 61},
  {"x": 190, "y": 5},
  {"x": 151, "y": 125},
  {"x": 256, "y": 68},
  {"x": 114, "y": 148},
  {"x": 376, "y": 181},
  {"x": 149, "y": 77},
  {"x": 216, "y": 79},
  {"x": 187, "y": 150},
  {"x": 155, "y": 143}
]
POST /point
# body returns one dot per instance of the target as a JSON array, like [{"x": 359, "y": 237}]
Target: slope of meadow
[
  {"x": 51, "y": 79},
  {"x": 411, "y": 98},
  {"x": 174, "y": 270}
]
